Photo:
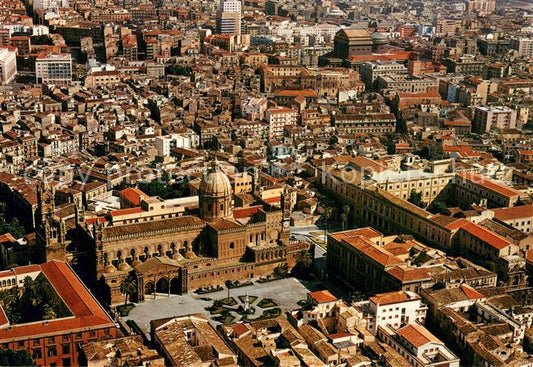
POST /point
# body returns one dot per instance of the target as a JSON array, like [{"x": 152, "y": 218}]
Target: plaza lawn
[{"x": 267, "y": 303}]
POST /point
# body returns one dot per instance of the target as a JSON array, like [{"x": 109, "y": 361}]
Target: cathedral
[{"x": 174, "y": 253}]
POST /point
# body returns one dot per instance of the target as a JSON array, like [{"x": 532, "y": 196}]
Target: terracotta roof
[
  {"x": 394, "y": 297},
  {"x": 322, "y": 296},
  {"x": 489, "y": 184},
  {"x": 417, "y": 335},
  {"x": 409, "y": 274},
  {"x": 485, "y": 235},
  {"x": 246, "y": 212},
  {"x": 116, "y": 213},
  {"x": 240, "y": 329},
  {"x": 366, "y": 232},
  {"x": 374, "y": 252},
  {"x": 224, "y": 224},
  {"x": 471, "y": 293},
  {"x": 514, "y": 212},
  {"x": 133, "y": 195},
  {"x": 26, "y": 269},
  {"x": 86, "y": 312}
]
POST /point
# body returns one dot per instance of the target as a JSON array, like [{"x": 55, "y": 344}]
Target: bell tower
[{"x": 50, "y": 233}]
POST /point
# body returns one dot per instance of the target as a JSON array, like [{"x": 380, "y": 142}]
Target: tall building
[
  {"x": 524, "y": 46},
  {"x": 490, "y": 117},
  {"x": 8, "y": 65},
  {"x": 53, "y": 68},
  {"x": 482, "y": 6},
  {"x": 228, "y": 17}
]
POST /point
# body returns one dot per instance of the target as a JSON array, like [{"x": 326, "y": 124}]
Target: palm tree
[
  {"x": 128, "y": 286},
  {"x": 49, "y": 312},
  {"x": 281, "y": 270},
  {"x": 228, "y": 285},
  {"x": 344, "y": 216},
  {"x": 305, "y": 260}
]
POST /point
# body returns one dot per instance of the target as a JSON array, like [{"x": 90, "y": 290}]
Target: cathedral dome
[
  {"x": 379, "y": 38},
  {"x": 215, "y": 183}
]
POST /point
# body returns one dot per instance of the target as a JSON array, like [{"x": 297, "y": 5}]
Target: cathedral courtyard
[{"x": 284, "y": 292}]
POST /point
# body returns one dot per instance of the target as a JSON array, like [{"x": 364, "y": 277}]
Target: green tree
[
  {"x": 344, "y": 216},
  {"x": 416, "y": 198},
  {"x": 49, "y": 312},
  {"x": 228, "y": 284},
  {"x": 281, "y": 270},
  {"x": 128, "y": 286},
  {"x": 9, "y": 357},
  {"x": 303, "y": 265}
]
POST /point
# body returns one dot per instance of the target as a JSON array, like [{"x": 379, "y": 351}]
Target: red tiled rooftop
[
  {"x": 417, "y": 335},
  {"x": 115, "y": 213},
  {"x": 485, "y": 235},
  {"x": 471, "y": 293},
  {"x": 378, "y": 254},
  {"x": 393, "y": 297},
  {"x": 133, "y": 195},
  {"x": 86, "y": 312},
  {"x": 246, "y": 212},
  {"x": 514, "y": 212},
  {"x": 322, "y": 296},
  {"x": 409, "y": 274},
  {"x": 489, "y": 184}
]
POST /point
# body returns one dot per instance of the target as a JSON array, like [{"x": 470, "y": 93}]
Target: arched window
[{"x": 232, "y": 245}]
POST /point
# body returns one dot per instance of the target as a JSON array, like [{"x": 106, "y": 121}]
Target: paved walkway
[{"x": 285, "y": 292}]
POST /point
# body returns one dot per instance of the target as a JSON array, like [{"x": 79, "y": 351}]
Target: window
[
  {"x": 52, "y": 352},
  {"x": 65, "y": 348},
  {"x": 232, "y": 245},
  {"x": 37, "y": 354}
]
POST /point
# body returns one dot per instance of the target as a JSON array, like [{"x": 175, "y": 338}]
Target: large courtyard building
[{"x": 79, "y": 318}]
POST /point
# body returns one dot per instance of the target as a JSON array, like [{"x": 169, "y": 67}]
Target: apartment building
[
  {"x": 403, "y": 84},
  {"x": 416, "y": 344},
  {"x": 8, "y": 65},
  {"x": 355, "y": 260},
  {"x": 487, "y": 118},
  {"x": 167, "y": 143},
  {"x": 519, "y": 217},
  {"x": 481, "y": 242},
  {"x": 393, "y": 308},
  {"x": 524, "y": 46},
  {"x": 366, "y": 123},
  {"x": 473, "y": 187},
  {"x": 279, "y": 117},
  {"x": 370, "y": 71},
  {"x": 53, "y": 68}
]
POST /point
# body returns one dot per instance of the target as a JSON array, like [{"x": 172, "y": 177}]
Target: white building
[
  {"x": 416, "y": 344},
  {"x": 393, "y": 308},
  {"x": 278, "y": 118},
  {"x": 53, "y": 68},
  {"x": 8, "y": 65},
  {"x": 165, "y": 144},
  {"x": 228, "y": 19},
  {"x": 524, "y": 46},
  {"x": 254, "y": 108}
]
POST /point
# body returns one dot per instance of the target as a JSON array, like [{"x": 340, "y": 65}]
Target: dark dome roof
[{"x": 379, "y": 38}]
